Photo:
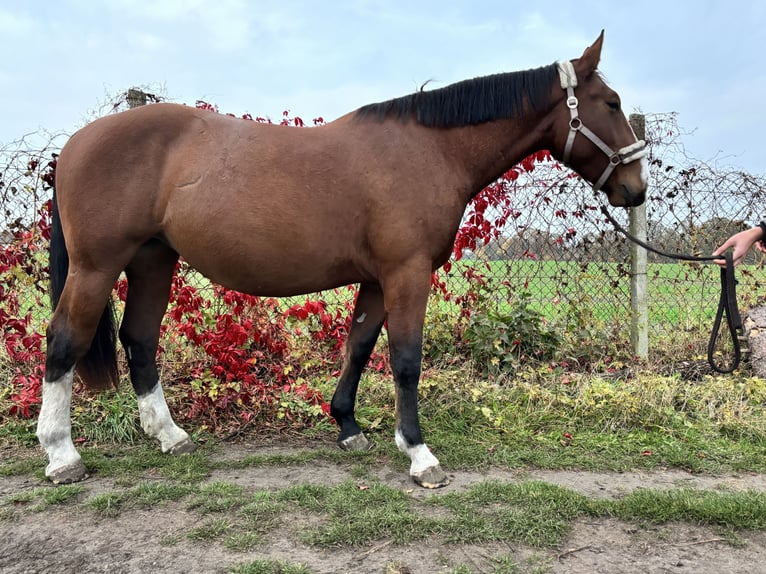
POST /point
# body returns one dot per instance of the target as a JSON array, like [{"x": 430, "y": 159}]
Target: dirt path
[{"x": 74, "y": 539}]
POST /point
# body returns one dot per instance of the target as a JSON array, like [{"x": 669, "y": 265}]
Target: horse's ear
[{"x": 590, "y": 58}]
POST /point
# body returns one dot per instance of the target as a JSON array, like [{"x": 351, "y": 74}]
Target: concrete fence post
[
  {"x": 639, "y": 318},
  {"x": 135, "y": 98}
]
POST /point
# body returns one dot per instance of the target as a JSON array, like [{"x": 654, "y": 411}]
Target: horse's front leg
[{"x": 406, "y": 296}]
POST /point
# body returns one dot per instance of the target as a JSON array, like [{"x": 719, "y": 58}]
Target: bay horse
[{"x": 374, "y": 197}]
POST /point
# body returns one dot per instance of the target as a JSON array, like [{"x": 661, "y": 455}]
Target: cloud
[
  {"x": 222, "y": 26},
  {"x": 15, "y": 24}
]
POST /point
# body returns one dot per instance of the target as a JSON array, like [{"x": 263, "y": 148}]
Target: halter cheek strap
[{"x": 624, "y": 155}]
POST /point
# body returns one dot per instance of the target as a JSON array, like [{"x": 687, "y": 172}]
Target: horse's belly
[{"x": 276, "y": 275}]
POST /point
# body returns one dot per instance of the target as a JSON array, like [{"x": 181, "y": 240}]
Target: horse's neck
[{"x": 487, "y": 151}]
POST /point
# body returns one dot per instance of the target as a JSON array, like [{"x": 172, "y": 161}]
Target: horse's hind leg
[
  {"x": 150, "y": 274},
  {"x": 365, "y": 328},
  {"x": 69, "y": 336}
]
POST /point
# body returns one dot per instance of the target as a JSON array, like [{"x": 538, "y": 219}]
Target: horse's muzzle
[{"x": 624, "y": 196}]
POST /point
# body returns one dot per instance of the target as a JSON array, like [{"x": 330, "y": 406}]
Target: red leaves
[
  {"x": 22, "y": 341},
  {"x": 24, "y": 348},
  {"x": 285, "y": 121},
  {"x": 479, "y": 227},
  {"x": 49, "y": 175},
  {"x": 203, "y": 105},
  {"x": 485, "y": 217},
  {"x": 247, "y": 348},
  {"x": 303, "y": 312}
]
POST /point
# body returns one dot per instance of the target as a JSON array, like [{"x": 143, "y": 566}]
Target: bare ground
[{"x": 72, "y": 539}]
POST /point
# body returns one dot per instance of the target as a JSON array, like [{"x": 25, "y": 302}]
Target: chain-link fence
[
  {"x": 554, "y": 243},
  {"x": 559, "y": 247}
]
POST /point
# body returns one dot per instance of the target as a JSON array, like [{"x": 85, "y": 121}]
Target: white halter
[{"x": 624, "y": 155}]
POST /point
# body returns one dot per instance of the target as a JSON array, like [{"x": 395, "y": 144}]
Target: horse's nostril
[{"x": 633, "y": 199}]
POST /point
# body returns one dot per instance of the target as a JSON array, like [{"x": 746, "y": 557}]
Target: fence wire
[{"x": 557, "y": 246}]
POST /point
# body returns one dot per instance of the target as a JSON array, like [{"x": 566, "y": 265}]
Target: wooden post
[{"x": 639, "y": 320}]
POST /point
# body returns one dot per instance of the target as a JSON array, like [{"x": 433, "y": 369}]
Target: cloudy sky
[{"x": 61, "y": 61}]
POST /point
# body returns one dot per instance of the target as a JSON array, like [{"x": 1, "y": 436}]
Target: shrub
[{"x": 500, "y": 337}]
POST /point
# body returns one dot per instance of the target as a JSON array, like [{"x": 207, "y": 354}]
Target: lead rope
[
  {"x": 633, "y": 152},
  {"x": 727, "y": 304}
]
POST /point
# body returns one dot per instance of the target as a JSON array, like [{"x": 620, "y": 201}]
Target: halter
[{"x": 624, "y": 155}]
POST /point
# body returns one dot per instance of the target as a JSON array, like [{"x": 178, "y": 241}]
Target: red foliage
[
  {"x": 485, "y": 218},
  {"x": 243, "y": 357},
  {"x": 22, "y": 341}
]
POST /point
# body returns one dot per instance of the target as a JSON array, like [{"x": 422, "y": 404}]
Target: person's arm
[{"x": 742, "y": 242}]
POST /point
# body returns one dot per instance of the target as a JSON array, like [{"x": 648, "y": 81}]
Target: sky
[{"x": 63, "y": 61}]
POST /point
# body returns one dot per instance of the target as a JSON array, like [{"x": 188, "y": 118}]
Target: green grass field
[
  {"x": 680, "y": 297},
  {"x": 577, "y": 298}
]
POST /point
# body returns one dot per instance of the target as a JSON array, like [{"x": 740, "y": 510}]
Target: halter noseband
[{"x": 624, "y": 155}]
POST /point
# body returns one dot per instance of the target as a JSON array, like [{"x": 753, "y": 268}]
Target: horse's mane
[{"x": 470, "y": 102}]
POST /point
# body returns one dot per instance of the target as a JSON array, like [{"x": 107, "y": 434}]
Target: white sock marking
[
  {"x": 156, "y": 420},
  {"x": 421, "y": 457},
  {"x": 54, "y": 425}
]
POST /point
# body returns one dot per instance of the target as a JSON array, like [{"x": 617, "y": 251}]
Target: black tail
[{"x": 98, "y": 368}]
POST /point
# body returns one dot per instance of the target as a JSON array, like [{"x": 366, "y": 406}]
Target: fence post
[
  {"x": 135, "y": 98},
  {"x": 639, "y": 317}
]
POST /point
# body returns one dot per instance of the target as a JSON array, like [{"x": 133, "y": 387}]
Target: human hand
[{"x": 741, "y": 243}]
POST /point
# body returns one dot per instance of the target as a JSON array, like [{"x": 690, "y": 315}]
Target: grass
[
  {"x": 270, "y": 567},
  {"x": 729, "y": 510},
  {"x": 144, "y": 495},
  {"x": 536, "y": 418},
  {"x": 126, "y": 462},
  {"x": 680, "y": 296},
  {"x": 355, "y": 516},
  {"x": 540, "y": 416},
  {"x": 556, "y": 421},
  {"x": 533, "y": 513},
  {"x": 38, "y": 499},
  {"x": 210, "y": 529},
  {"x": 362, "y": 512}
]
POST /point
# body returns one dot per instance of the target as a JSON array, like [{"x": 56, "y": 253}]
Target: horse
[{"x": 374, "y": 198}]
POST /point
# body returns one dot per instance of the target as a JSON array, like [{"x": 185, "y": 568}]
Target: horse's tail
[{"x": 98, "y": 367}]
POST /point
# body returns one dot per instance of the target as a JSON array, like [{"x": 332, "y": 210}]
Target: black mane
[{"x": 470, "y": 102}]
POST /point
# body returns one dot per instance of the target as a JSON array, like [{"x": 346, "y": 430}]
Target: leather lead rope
[{"x": 727, "y": 304}]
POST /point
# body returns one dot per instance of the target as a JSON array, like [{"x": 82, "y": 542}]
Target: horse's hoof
[
  {"x": 433, "y": 477},
  {"x": 356, "y": 442},
  {"x": 67, "y": 474},
  {"x": 186, "y": 446}
]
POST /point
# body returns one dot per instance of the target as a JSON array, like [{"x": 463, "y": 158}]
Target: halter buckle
[{"x": 572, "y": 102}]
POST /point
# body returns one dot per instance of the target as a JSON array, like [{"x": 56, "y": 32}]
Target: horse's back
[
  {"x": 237, "y": 199},
  {"x": 259, "y": 208}
]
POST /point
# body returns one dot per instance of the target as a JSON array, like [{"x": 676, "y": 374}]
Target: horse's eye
[{"x": 614, "y": 106}]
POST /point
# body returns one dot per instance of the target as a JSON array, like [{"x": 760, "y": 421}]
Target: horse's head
[{"x": 592, "y": 135}]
